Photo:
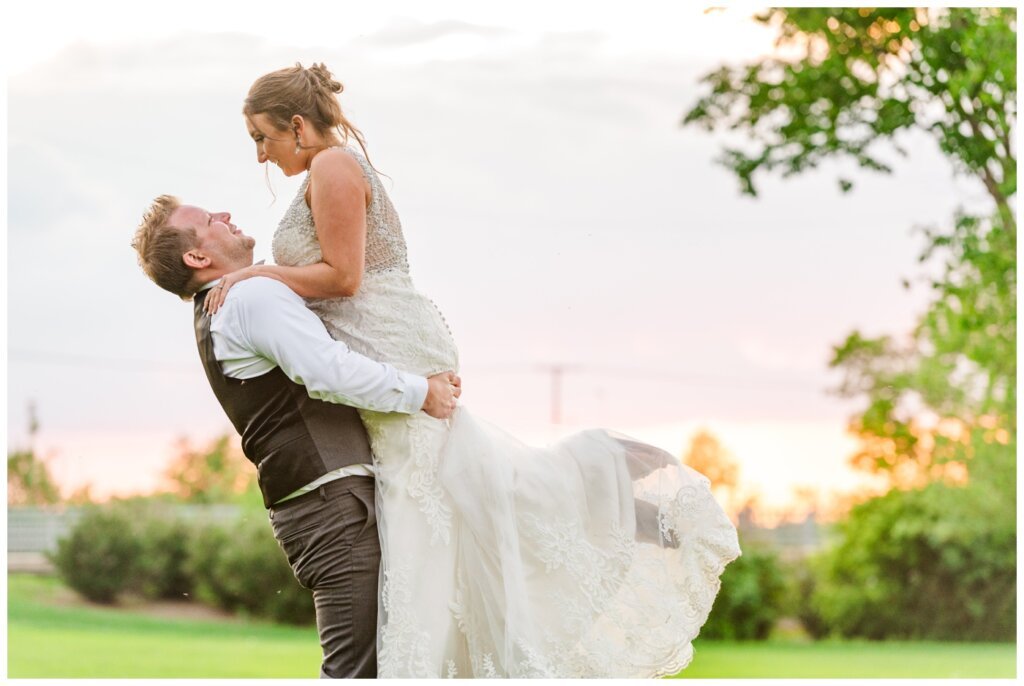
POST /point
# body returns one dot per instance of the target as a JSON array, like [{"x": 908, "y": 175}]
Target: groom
[{"x": 290, "y": 391}]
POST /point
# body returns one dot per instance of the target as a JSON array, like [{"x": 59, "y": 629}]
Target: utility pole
[
  {"x": 556, "y": 394},
  {"x": 556, "y": 371}
]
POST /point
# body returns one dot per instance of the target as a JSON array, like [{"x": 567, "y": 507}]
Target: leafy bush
[
  {"x": 144, "y": 546},
  {"x": 207, "y": 543},
  {"x": 751, "y": 597},
  {"x": 98, "y": 558},
  {"x": 802, "y": 578},
  {"x": 162, "y": 568},
  {"x": 934, "y": 563},
  {"x": 244, "y": 569}
]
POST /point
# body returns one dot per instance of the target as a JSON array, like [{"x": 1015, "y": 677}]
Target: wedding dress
[{"x": 596, "y": 557}]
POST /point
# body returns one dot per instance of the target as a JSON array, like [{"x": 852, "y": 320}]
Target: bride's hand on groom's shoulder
[
  {"x": 220, "y": 292},
  {"x": 442, "y": 391}
]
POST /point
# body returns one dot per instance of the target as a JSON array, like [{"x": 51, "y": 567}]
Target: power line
[
  {"x": 557, "y": 372},
  {"x": 719, "y": 381},
  {"x": 666, "y": 376},
  {"x": 96, "y": 362}
]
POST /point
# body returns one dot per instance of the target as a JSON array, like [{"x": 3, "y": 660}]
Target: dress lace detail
[
  {"x": 295, "y": 241},
  {"x": 599, "y": 571},
  {"x": 424, "y": 487},
  {"x": 598, "y": 556},
  {"x": 405, "y": 648}
]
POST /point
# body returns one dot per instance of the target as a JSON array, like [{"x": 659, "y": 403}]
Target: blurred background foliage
[
  {"x": 155, "y": 550},
  {"x": 935, "y": 557}
]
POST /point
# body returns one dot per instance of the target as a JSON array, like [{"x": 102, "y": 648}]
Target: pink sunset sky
[{"x": 554, "y": 209}]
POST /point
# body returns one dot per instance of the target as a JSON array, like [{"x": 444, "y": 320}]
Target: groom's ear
[{"x": 195, "y": 260}]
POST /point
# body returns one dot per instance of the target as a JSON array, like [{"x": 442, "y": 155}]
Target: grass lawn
[
  {"x": 47, "y": 637},
  {"x": 845, "y": 659},
  {"x": 51, "y": 634}
]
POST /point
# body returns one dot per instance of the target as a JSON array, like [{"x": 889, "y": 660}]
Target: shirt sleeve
[{"x": 271, "y": 320}]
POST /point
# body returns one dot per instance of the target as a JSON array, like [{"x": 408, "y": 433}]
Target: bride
[{"x": 596, "y": 557}]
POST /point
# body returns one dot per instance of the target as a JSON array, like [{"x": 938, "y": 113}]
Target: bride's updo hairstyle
[{"x": 308, "y": 92}]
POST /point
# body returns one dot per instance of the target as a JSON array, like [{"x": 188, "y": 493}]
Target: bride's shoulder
[
  {"x": 335, "y": 166},
  {"x": 334, "y": 161}
]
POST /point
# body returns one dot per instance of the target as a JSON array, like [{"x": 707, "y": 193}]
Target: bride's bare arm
[{"x": 338, "y": 196}]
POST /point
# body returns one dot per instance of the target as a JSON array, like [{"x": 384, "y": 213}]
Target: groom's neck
[
  {"x": 235, "y": 265},
  {"x": 210, "y": 275}
]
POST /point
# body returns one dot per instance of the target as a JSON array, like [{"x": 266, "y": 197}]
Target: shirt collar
[{"x": 208, "y": 286}]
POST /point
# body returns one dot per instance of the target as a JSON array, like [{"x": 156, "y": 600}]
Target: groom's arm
[{"x": 263, "y": 324}]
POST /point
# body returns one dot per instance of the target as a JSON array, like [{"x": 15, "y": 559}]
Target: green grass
[
  {"x": 845, "y": 659},
  {"x": 45, "y": 639},
  {"x": 50, "y": 638}
]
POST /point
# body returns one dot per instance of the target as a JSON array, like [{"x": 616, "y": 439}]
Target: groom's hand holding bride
[{"x": 442, "y": 391}]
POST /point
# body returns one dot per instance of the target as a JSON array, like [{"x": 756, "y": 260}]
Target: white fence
[{"x": 34, "y": 531}]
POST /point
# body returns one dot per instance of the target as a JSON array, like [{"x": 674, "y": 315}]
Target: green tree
[
  {"x": 707, "y": 455},
  {"x": 844, "y": 82},
  {"x": 216, "y": 473},
  {"x": 940, "y": 415},
  {"x": 29, "y": 481}
]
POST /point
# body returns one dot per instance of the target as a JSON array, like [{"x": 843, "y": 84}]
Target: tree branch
[{"x": 991, "y": 184}]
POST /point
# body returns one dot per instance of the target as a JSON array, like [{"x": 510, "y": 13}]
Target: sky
[{"x": 554, "y": 208}]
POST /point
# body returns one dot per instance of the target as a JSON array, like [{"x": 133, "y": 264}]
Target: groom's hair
[{"x": 160, "y": 247}]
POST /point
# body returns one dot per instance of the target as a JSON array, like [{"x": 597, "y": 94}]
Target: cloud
[
  {"x": 44, "y": 189},
  {"x": 406, "y": 32},
  {"x": 558, "y": 41},
  {"x": 188, "y": 61}
]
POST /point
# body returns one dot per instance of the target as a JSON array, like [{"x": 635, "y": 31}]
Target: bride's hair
[{"x": 308, "y": 92}]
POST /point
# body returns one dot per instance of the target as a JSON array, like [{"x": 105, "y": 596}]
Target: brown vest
[{"x": 291, "y": 438}]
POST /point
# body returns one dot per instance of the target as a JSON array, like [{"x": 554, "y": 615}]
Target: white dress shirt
[{"x": 263, "y": 324}]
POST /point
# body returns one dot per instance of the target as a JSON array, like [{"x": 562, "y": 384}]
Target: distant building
[{"x": 791, "y": 540}]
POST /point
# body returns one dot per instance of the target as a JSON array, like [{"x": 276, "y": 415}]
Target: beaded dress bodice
[
  {"x": 295, "y": 239},
  {"x": 387, "y": 318}
]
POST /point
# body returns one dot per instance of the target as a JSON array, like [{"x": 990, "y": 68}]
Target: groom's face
[{"x": 219, "y": 240}]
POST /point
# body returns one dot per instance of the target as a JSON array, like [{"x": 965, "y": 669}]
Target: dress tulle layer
[{"x": 597, "y": 557}]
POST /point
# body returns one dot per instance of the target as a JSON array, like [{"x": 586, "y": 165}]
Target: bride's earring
[{"x": 298, "y": 145}]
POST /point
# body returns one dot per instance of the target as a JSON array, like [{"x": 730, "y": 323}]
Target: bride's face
[{"x": 274, "y": 145}]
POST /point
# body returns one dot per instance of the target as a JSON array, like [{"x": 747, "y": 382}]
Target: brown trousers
[{"x": 330, "y": 539}]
